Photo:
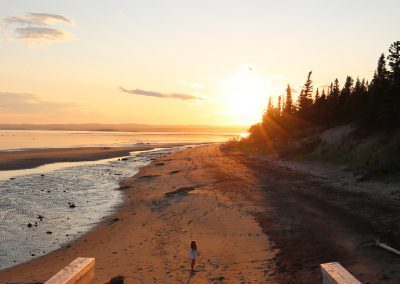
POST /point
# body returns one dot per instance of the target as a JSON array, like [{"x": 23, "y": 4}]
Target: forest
[{"x": 370, "y": 106}]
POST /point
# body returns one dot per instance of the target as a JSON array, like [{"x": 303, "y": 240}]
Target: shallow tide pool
[{"x": 71, "y": 198}]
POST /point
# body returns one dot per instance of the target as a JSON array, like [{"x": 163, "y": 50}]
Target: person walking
[{"x": 193, "y": 254}]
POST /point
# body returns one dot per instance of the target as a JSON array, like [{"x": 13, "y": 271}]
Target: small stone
[
  {"x": 117, "y": 280},
  {"x": 29, "y": 225},
  {"x": 49, "y": 232}
]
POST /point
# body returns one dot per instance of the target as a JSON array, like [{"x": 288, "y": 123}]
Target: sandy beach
[{"x": 255, "y": 220}]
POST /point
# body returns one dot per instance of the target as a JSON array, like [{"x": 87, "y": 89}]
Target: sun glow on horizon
[{"x": 245, "y": 97}]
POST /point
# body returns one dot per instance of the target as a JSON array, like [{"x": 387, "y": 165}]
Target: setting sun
[{"x": 245, "y": 97}]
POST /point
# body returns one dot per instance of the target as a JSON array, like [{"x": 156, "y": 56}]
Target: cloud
[
  {"x": 34, "y": 29},
  {"x": 50, "y": 18},
  {"x": 140, "y": 92},
  {"x": 28, "y": 103},
  {"x": 33, "y": 34},
  {"x": 38, "y": 19}
]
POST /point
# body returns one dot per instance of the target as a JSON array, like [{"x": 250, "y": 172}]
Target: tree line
[{"x": 372, "y": 105}]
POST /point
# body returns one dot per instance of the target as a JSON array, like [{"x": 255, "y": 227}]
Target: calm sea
[{"x": 26, "y": 139}]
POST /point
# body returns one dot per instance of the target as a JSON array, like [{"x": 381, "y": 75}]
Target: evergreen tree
[
  {"x": 335, "y": 89},
  {"x": 358, "y": 88},
  {"x": 381, "y": 74},
  {"x": 270, "y": 107},
  {"x": 305, "y": 98},
  {"x": 288, "y": 108},
  {"x": 381, "y": 71},
  {"x": 347, "y": 88},
  {"x": 279, "y": 105},
  {"x": 323, "y": 96},
  {"x": 394, "y": 62},
  {"x": 317, "y": 97}
]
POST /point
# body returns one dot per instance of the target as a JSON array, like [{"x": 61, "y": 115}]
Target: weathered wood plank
[
  {"x": 334, "y": 273},
  {"x": 80, "y": 271}
]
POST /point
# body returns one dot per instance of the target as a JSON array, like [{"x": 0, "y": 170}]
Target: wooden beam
[
  {"x": 334, "y": 273},
  {"x": 80, "y": 271}
]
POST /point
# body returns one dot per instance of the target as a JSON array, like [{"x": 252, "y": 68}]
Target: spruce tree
[
  {"x": 381, "y": 75},
  {"x": 381, "y": 71},
  {"x": 317, "y": 97},
  {"x": 348, "y": 87},
  {"x": 279, "y": 105},
  {"x": 270, "y": 107},
  {"x": 335, "y": 89},
  {"x": 394, "y": 62},
  {"x": 358, "y": 87},
  {"x": 288, "y": 108},
  {"x": 305, "y": 98},
  {"x": 323, "y": 96}
]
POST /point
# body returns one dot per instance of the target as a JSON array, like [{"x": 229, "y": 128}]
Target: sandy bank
[{"x": 26, "y": 159}]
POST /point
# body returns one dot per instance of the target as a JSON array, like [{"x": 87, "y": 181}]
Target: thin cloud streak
[
  {"x": 28, "y": 103},
  {"x": 140, "y": 92},
  {"x": 43, "y": 34},
  {"x": 38, "y": 19},
  {"x": 50, "y": 18}
]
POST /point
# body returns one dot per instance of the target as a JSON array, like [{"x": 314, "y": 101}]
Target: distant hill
[{"x": 128, "y": 127}]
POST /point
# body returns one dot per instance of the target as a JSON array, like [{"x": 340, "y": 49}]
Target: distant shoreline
[{"x": 128, "y": 127}]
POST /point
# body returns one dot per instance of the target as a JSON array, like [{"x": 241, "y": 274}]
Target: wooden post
[
  {"x": 80, "y": 271},
  {"x": 334, "y": 273}
]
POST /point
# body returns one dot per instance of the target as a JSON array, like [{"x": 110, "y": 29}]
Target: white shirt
[{"x": 193, "y": 253}]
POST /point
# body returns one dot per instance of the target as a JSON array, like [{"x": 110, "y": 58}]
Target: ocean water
[
  {"x": 49, "y": 191},
  {"x": 26, "y": 139}
]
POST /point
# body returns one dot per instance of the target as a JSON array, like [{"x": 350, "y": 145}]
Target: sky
[{"x": 211, "y": 62}]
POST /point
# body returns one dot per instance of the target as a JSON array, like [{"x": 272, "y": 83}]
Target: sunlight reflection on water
[{"x": 29, "y": 139}]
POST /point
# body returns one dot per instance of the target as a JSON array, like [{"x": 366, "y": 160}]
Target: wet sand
[
  {"x": 26, "y": 159},
  {"x": 255, "y": 220}
]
